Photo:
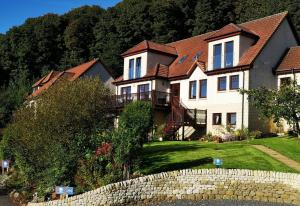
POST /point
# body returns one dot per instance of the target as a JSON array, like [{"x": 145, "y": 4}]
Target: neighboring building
[
  {"x": 193, "y": 83},
  {"x": 288, "y": 71},
  {"x": 94, "y": 68}
]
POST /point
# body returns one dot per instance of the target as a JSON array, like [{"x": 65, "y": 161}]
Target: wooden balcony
[{"x": 159, "y": 100}]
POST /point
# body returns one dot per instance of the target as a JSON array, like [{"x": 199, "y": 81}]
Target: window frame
[
  {"x": 190, "y": 89},
  {"x": 213, "y": 119},
  {"x": 214, "y": 51},
  {"x": 138, "y": 70},
  {"x": 230, "y": 82},
  {"x": 131, "y": 69},
  {"x": 289, "y": 81},
  {"x": 225, "y": 53},
  {"x": 219, "y": 78},
  {"x": 229, "y": 118},
  {"x": 200, "y": 88},
  {"x": 123, "y": 89},
  {"x": 145, "y": 95}
]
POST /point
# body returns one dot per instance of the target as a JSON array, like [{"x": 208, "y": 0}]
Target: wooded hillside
[{"x": 57, "y": 42}]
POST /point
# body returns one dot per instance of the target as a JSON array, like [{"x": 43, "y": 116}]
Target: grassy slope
[
  {"x": 287, "y": 146},
  {"x": 167, "y": 156}
]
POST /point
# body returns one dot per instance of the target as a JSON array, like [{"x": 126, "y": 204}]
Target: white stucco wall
[
  {"x": 134, "y": 86},
  {"x": 162, "y": 85},
  {"x": 229, "y": 101},
  {"x": 154, "y": 58},
  {"x": 262, "y": 72},
  {"x": 99, "y": 70},
  {"x": 245, "y": 43}
]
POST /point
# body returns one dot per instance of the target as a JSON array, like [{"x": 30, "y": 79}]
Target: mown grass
[
  {"x": 288, "y": 146},
  {"x": 172, "y": 155}
]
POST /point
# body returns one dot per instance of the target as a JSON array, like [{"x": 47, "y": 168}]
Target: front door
[{"x": 175, "y": 91}]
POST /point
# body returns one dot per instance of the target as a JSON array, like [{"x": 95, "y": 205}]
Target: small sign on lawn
[{"x": 218, "y": 162}]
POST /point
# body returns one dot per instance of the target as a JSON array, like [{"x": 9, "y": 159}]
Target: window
[
  {"x": 126, "y": 90},
  {"x": 203, "y": 88},
  {"x": 231, "y": 118},
  {"x": 138, "y": 67},
  {"x": 126, "y": 94},
  {"x": 182, "y": 59},
  {"x": 217, "y": 118},
  {"x": 221, "y": 83},
  {"x": 143, "y": 91},
  {"x": 285, "y": 81},
  {"x": 193, "y": 87},
  {"x": 217, "y": 56},
  {"x": 229, "y": 54},
  {"x": 131, "y": 69},
  {"x": 197, "y": 55},
  {"x": 234, "y": 82}
]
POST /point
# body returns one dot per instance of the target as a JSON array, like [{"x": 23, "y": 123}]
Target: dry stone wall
[{"x": 196, "y": 184}]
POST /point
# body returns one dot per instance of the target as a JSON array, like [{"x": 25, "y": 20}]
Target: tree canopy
[
  {"x": 46, "y": 141},
  {"x": 282, "y": 104}
]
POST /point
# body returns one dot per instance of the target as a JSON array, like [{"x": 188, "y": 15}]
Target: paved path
[
  {"x": 5, "y": 201},
  {"x": 276, "y": 155}
]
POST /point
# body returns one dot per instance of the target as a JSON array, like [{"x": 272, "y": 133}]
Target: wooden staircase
[{"x": 180, "y": 116}]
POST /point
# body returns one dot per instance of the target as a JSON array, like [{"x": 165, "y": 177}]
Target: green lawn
[
  {"x": 167, "y": 156},
  {"x": 287, "y": 146}
]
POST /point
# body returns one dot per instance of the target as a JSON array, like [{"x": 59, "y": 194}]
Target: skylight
[
  {"x": 182, "y": 59},
  {"x": 197, "y": 55}
]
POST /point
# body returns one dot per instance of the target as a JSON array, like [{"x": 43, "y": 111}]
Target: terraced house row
[{"x": 193, "y": 83}]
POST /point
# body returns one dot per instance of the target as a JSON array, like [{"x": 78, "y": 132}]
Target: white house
[{"x": 193, "y": 83}]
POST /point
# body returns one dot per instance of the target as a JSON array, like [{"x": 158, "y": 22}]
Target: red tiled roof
[
  {"x": 81, "y": 69},
  {"x": 159, "y": 70},
  {"x": 46, "y": 78},
  {"x": 290, "y": 61},
  {"x": 148, "y": 45},
  {"x": 186, "y": 49},
  {"x": 230, "y": 29},
  {"x": 263, "y": 28},
  {"x": 71, "y": 74},
  {"x": 46, "y": 85}
]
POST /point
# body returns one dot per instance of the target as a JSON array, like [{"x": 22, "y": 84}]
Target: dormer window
[
  {"x": 134, "y": 68},
  {"x": 131, "y": 69},
  {"x": 217, "y": 56},
  {"x": 229, "y": 54}
]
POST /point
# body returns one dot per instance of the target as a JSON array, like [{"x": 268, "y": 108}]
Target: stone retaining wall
[{"x": 189, "y": 184}]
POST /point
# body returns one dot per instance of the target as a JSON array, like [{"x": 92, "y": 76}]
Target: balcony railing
[{"x": 158, "y": 99}]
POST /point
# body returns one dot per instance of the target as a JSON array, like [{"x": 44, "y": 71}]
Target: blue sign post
[
  {"x": 61, "y": 190},
  {"x": 218, "y": 162},
  {"x": 5, "y": 165}
]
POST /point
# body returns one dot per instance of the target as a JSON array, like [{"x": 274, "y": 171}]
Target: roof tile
[{"x": 290, "y": 61}]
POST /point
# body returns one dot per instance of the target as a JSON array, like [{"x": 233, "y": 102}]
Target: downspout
[{"x": 243, "y": 100}]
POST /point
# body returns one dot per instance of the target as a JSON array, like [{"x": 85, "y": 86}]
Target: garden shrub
[{"x": 47, "y": 142}]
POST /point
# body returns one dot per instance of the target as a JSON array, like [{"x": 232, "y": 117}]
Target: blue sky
[{"x": 15, "y": 12}]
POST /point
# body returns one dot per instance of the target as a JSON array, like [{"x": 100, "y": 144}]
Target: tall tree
[{"x": 204, "y": 17}]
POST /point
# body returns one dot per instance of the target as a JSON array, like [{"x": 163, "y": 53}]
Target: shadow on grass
[
  {"x": 159, "y": 165},
  {"x": 171, "y": 148}
]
